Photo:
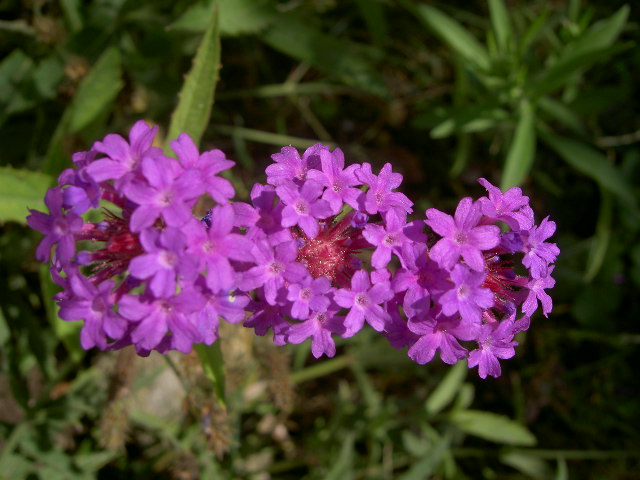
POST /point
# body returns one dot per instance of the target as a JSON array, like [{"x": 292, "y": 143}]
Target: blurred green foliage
[{"x": 540, "y": 94}]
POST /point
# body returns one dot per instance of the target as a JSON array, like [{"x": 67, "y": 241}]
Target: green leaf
[
  {"x": 597, "y": 43},
  {"x": 342, "y": 467},
  {"x": 196, "y": 97},
  {"x": 213, "y": 364},
  {"x": 97, "y": 91},
  {"x": 526, "y": 463},
  {"x": 489, "y": 426},
  {"x": 500, "y": 23},
  {"x": 373, "y": 14},
  {"x": 600, "y": 35},
  {"x": 19, "y": 191},
  {"x": 592, "y": 163},
  {"x": 447, "y": 389},
  {"x": 522, "y": 150},
  {"x": 563, "y": 114},
  {"x": 4, "y": 329},
  {"x": 468, "y": 119},
  {"x": 236, "y": 17},
  {"x": 454, "y": 35},
  {"x": 561, "y": 73},
  {"x": 427, "y": 465},
  {"x": 602, "y": 237},
  {"x": 331, "y": 55}
]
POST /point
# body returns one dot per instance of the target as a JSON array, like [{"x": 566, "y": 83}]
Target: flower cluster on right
[{"x": 320, "y": 251}]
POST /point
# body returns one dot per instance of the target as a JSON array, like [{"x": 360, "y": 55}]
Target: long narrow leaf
[
  {"x": 601, "y": 238},
  {"x": 212, "y": 362},
  {"x": 522, "y": 150},
  {"x": 346, "y": 60},
  {"x": 592, "y": 163},
  {"x": 97, "y": 91},
  {"x": 496, "y": 428},
  {"x": 500, "y": 23},
  {"x": 196, "y": 97},
  {"x": 454, "y": 35}
]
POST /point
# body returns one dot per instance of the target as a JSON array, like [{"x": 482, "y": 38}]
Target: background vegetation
[{"x": 540, "y": 94}]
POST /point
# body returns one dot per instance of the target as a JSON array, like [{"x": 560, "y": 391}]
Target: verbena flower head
[
  {"x": 125, "y": 246},
  {"x": 319, "y": 252}
]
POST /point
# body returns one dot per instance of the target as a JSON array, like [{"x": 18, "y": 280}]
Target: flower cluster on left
[{"x": 132, "y": 259}]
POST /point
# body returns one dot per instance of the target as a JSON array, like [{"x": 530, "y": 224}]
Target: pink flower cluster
[{"x": 316, "y": 253}]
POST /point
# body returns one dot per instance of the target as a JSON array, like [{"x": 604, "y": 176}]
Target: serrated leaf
[
  {"x": 97, "y": 91},
  {"x": 331, "y": 55},
  {"x": 196, "y": 96},
  {"x": 522, "y": 150},
  {"x": 447, "y": 389},
  {"x": 454, "y": 35},
  {"x": 21, "y": 190},
  {"x": 492, "y": 427},
  {"x": 592, "y": 163}
]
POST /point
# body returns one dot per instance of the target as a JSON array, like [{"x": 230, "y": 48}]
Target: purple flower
[
  {"x": 303, "y": 207},
  {"x": 57, "y": 227},
  {"x": 164, "y": 260},
  {"x": 538, "y": 253},
  {"x": 155, "y": 318},
  {"x": 467, "y": 296},
  {"x": 380, "y": 198},
  {"x": 537, "y": 292},
  {"x": 339, "y": 181},
  {"x": 396, "y": 329},
  {"x": 266, "y": 316},
  {"x": 206, "y": 167},
  {"x": 511, "y": 207},
  {"x": 229, "y": 306},
  {"x": 395, "y": 235},
  {"x": 94, "y": 305},
  {"x": 495, "y": 341},
  {"x": 217, "y": 245},
  {"x": 265, "y": 217},
  {"x": 310, "y": 293},
  {"x": 166, "y": 194},
  {"x": 122, "y": 157},
  {"x": 436, "y": 334},
  {"x": 290, "y": 167},
  {"x": 319, "y": 326},
  {"x": 363, "y": 302},
  {"x": 275, "y": 265},
  {"x": 461, "y": 235}
]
